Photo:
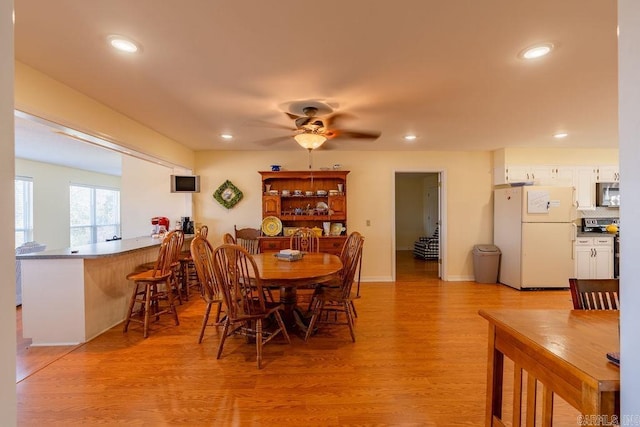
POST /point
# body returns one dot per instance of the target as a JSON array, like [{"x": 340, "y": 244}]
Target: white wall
[
  {"x": 629, "y": 106},
  {"x": 51, "y": 197},
  {"x": 7, "y": 263},
  {"x": 370, "y": 196},
  {"x": 146, "y": 193}
]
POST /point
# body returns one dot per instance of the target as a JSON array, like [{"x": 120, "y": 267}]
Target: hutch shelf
[{"x": 311, "y": 199}]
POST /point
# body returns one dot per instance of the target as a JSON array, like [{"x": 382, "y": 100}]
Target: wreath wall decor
[{"x": 228, "y": 195}]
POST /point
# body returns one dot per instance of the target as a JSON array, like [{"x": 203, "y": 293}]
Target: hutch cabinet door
[
  {"x": 270, "y": 206},
  {"x": 338, "y": 205}
]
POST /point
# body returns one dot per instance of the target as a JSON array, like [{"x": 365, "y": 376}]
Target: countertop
[
  {"x": 594, "y": 234},
  {"x": 100, "y": 250}
]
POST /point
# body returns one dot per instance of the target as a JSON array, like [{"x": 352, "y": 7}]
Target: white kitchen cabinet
[
  {"x": 607, "y": 173},
  {"x": 594, "y": 257},
  {"x": 552, "y": 175},
  {"x": 585, "y": 183},
  {"x": 518, "y": 173}
]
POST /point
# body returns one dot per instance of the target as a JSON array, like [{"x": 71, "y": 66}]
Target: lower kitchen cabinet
[{"x": 594, "y": 257}]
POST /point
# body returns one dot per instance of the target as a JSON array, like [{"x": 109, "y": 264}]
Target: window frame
[
  {"x": 27, "y": 210},
  {"x": 93, "y": 226}
]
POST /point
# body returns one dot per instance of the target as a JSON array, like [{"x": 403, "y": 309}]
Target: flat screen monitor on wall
[{"x": 185, "y": 183}]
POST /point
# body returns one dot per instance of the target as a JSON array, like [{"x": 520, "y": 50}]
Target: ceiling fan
[{"x": 315, "y": 124}]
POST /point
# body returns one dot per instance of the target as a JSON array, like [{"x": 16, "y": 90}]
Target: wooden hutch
[{"x": 305, "y": 199}]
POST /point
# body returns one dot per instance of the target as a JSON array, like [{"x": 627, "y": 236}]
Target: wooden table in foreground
[
  {"x": 565, "y": 351},
  {"x": 289, "y": 275}
]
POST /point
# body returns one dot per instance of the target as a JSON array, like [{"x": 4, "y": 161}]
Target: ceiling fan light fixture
[{"x": 310, "y": 141}]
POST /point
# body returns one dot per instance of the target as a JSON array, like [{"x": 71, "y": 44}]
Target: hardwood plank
[{"x": 420, "y": 359}]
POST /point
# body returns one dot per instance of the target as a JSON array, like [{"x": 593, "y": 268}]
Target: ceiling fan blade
[
  {"x": 330, "y": 121},
  {"x": 350, "y": 134},
  {"x": 292, "y": 116}
]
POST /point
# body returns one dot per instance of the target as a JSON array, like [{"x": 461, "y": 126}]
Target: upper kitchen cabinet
[
  {"x": 585, "y": 184},
  {"x": 608, "y": 173},
  {"x": 553, "y": 175}
]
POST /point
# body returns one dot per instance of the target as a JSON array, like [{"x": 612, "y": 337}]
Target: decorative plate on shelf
[
  {"x": 271, "y": 226},
  {"x": 228, "y": 195}
]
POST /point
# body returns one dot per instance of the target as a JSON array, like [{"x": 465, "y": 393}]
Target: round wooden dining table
[{"x": 287, "y": 276}]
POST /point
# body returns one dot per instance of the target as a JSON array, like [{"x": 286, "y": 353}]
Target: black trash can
[{"x": 486, "y": 261}]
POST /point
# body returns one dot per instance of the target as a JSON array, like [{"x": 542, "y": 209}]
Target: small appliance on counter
[
  {"x": 159, "y": 224},
  {"x": 187, "y": 225}
]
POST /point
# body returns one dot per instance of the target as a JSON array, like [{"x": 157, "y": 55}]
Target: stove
[{"x": 599, "y": 225}]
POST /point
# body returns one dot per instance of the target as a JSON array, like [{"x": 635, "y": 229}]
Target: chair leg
[
  {"x": 147, "y": 308},
  {"x": 347, "y": 311},
  {"x": 132, "y": 304},
  {"x": 205, "y": 320},
  {"x": 225, "y": 331},
  {"x": 283, "y": 329},
  {"x": 316, "y": 310},
  {"x": 172, "y": 306},
  {"x": 353, "y": 308},
  {"x": 259, "y": 342}
]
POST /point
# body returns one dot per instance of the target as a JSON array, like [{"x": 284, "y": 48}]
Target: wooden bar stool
[
  {"x": 188, "y": 274},
  {"x": 154, "y": 287}
]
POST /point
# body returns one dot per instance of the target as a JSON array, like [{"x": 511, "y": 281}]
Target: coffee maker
[{"x": 187, "y": 225}]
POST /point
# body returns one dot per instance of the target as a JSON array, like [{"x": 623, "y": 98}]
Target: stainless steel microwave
[{"x": 608, "y": 194}]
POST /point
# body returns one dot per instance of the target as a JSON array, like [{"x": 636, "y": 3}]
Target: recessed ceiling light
[
  {"x": 537, "y": 51},
  {"x": 560, "y": 135},
  {"x": 410, "y": 137},
  {"x": 226, "y": 136},
  {"x": 123, "y": 44}
]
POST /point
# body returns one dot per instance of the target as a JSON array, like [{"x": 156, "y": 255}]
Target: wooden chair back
[
  {"x": 305, "y": 240},
  {"x": 595, "y": 294},
  {"x": 202, "y": 254},
  {"x": 351, "y": 260},
  {"x": 239, "y": 278},
  {"x": 248, "y": 238},
  {"x": 169, "y": 253},
  {"x": 203, "y": 231},
  {"x": 228, "y": 238}
]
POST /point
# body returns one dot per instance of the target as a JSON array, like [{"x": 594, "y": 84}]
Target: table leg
[
  {"x": 288, "y": 299},
  {"x": 495, "y": 372}
]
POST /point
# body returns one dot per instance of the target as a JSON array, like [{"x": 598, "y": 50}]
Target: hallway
[{"x": 410, "y": 269}]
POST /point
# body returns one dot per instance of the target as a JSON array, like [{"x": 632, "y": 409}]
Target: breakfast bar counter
[{"x": 72, "y": 295}]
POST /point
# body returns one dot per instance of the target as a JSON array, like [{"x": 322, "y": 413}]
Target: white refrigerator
[{"x": 534, "y": 229}]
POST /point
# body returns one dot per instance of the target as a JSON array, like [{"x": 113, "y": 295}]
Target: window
[
  {"x": 95, "y": 214},
  {"x": 23, "y": 210}
]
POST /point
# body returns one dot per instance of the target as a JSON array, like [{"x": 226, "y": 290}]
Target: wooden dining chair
[
  {"x": 154, "y": 287},
  {"x": 202, "y": 255},
  {"x": 305, "y": 240},
  {"x": 248, "y": 238},
  {"x": 329, "y": 302},
  {"x": 187, "y": 273},
  {"x": 595, "y": 294},
  {"x": 243, "y": 294},
  {"x": 228, "y": 238}
]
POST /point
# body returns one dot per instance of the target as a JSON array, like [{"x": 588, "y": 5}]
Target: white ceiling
[{"x": 447, "y": 71}]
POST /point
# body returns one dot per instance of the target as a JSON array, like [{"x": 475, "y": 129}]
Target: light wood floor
[{"x": 419, "y": 360}]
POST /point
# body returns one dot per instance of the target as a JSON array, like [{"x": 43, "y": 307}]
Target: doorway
[{"x": 417, "y": 226}]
